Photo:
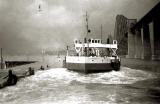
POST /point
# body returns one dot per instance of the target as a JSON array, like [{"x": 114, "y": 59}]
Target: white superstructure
[{"x": 90, "y": 52}]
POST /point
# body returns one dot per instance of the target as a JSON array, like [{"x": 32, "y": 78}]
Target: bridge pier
[
  {"x": 143, "y": 36},
  {"x": 131, "y": 45},
  {"x": 131, "y": 39},
  {"x": 151, "y": 28},
  {"x": 138, "y": 44},
  {"x": 155, "y": 39},
  {"x": 147, "y": 41},
  {"x": 149, "y": 34},
  {"x": 146, "y": 48}
]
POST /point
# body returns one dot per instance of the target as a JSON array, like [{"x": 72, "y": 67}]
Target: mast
[
  {"x": 101, "y": 33},
  {"x": 87, "y": 23},
  {"x": 87, "y": 27},
  {"x": 88, "y": 31},
  {"x": 67, "y": 49}
]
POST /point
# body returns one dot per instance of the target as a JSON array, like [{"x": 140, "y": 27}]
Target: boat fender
[{"x": 115, "y": 65}]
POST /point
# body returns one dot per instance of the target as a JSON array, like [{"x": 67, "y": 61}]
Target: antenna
[
  {"x": 88, "y": 30},
  {"x": 87, "y": 22},
  {"x": 101, "y": 33}
]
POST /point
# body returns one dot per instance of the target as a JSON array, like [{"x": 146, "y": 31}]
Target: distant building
[{"x": 121, "y": 31}]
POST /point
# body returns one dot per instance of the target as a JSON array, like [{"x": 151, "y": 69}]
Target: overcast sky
[{"x": 23, "y": 29}]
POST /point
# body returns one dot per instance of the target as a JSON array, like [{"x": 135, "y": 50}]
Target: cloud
[{"x": 23, "y": 28}]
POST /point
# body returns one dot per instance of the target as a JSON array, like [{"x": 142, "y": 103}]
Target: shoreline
[
  {"x": 139, "y": 64},
  {"x": 20, "y": 72}
]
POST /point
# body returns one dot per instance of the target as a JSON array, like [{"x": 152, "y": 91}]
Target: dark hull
[{"x": 90, "y": 67}]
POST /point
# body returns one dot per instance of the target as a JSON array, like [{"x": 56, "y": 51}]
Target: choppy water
[{"x": 60, "y": 86}]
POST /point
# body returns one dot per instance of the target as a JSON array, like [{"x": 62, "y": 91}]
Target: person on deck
[{"x": 11, "y": 78}]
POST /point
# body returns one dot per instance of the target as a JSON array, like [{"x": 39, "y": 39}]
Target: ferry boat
[{"x": 92, "y": 55}]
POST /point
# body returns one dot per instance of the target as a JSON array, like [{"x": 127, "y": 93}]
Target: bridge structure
[
  {"x": 139, "y": 39},
  {"x": 144, "y": 36}
]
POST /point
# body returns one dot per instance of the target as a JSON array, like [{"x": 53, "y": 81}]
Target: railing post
[{"x": 67, "y": 50}]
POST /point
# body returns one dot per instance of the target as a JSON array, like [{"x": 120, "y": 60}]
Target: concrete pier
[
  {"x": 138, "y": 47},
  {"x": 149, "y": 35},
  {"x": 143, "y": 35},
  {"x": 155, "y": 38},
  {"x": 139, "y": 64},
  {"x": 146, "y": 50},
  {"x": 131, "y": 39},
  {"x": 143, "y": 40}
]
